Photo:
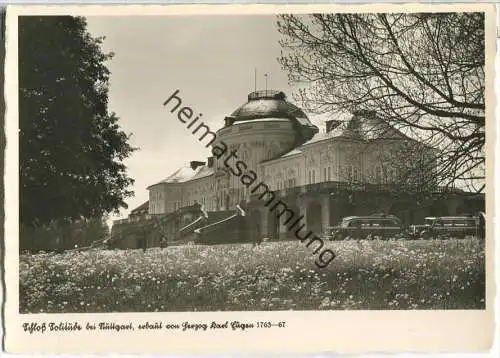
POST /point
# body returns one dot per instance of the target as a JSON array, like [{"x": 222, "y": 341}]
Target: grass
[{"x": 434, "y": 274}]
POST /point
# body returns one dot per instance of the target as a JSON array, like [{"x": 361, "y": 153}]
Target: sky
[{"x": 211, "y": 60}]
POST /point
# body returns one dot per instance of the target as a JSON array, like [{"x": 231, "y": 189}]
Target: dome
[
  {"x": 271, "y": 104},
  {"x": 267, "y": 104}
]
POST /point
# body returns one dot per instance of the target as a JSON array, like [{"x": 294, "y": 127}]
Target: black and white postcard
[{"x": 213, "y": 179}]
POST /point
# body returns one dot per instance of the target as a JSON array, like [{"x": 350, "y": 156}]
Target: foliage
[
  {"x": 60, "y": 236},
  {"x": 435, "y": 274},
  {"x": 423, "y": 73},
  {"x": 71, "y": 149}
]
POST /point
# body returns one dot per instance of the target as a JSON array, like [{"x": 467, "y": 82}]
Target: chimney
[
  {"x": 331, "y": 125},
  {"x": 195, "y": 164},
  {"x": 228, "y": 121},
  {"x": 210, "y": 162}
]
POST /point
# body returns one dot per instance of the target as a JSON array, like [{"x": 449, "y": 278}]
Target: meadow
[{"x": 431, "y": 274}]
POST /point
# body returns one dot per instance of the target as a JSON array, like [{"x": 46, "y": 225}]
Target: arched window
[
  {"x": 355, "y": 173},
  {"x": 378, "y": 174},
  {"x": 349, "y": 171},
  {"x": 394, "y": 175}
]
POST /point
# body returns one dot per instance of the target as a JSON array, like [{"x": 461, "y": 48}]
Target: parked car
[
  {"x": 360, "y": 227},
  {"x": 446, "y": 226},
  {"x": 481, "y": 230}
]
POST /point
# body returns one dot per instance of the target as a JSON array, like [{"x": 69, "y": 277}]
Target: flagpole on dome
[
  {"x": 265, "y": 75},
  {"x": 255, "y": 80}
]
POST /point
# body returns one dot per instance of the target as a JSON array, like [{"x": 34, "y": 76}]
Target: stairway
[
  {"x": 230, "y": 228},
  {"x": 187, "y": 233}
]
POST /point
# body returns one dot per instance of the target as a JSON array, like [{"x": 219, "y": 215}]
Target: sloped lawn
[{"x": 435, "y": 274}]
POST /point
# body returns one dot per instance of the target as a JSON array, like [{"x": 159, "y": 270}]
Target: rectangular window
[
  {"x": 324, "y": 174},
  {"x": 309, "y": 179},
  {"x": 329, "y": 173},
  {"x": 314, "y": 176}
]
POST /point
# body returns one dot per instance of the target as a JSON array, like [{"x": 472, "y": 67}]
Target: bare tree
[
  {"x": 423, "y": 73},
  {"x": 403, "y": 168}
]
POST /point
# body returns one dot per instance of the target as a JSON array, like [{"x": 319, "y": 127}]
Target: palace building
[{"x": 346, "y": 168}]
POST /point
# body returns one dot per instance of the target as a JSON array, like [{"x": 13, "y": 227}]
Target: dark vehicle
[
  {"x": 446, "y": 226},
  {"x": 481, "y": 230},
  {"x": 361, "y": 227}
]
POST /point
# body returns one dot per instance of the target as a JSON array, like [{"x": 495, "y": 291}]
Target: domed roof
[
  {"x": 272, "y": 105},
  {"x": 268, "y": 104}
]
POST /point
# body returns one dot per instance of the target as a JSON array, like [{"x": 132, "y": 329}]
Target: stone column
[
  {"x": 302, "y": 203},
  {"x": 325, "y": 213},
  {"x": 282, "y": 227},
  {"x": 264, "y": 222}
]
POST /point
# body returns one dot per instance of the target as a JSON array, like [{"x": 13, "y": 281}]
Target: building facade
[{"x": 344, "y": 169}]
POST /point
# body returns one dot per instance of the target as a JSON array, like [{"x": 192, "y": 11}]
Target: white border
[{"x": 308, "y": 331}]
